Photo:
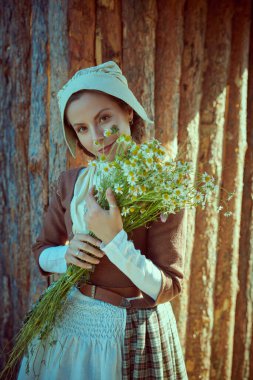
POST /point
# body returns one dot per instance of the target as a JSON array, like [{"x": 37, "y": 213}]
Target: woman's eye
[
  {"x": 79, "y": 129},
  {"x": 85, "y": 128},
  {"x": 105, "y": 116}
]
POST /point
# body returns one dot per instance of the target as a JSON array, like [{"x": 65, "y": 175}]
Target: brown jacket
[{"x": 162, "y": 243}]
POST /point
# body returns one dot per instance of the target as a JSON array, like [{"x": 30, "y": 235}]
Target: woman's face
[{"x": 91, "y": 114}]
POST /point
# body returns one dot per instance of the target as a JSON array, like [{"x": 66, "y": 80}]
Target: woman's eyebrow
[{"x": 104, "y": 109}]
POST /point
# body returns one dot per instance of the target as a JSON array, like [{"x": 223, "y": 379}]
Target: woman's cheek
[{"x": 86, "y": 142}]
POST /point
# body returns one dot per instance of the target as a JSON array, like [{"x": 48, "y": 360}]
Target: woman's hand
[
  {"x": 79, "y": 244},
  {"x": 105, "y": 224}
]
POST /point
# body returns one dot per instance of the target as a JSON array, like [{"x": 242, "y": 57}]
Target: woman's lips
[{"x": 107, "y": 148}]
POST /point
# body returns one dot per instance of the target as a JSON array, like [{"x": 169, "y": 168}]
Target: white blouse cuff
[
  {"x": 141, "y": 270},
  {"x": 52, "y": 259}
]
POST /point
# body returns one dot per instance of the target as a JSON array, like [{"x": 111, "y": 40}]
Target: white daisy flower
[
  {"x": 135, "y": 191},
  {"x": 149, "y": 161},
  {"x": 131, "y": 180},
  {"x": 106, "y": 168},
  {"x": 118, "y": 189},
  {"x": 107, "y": 132},
  {"x": 166, "y": 197},
  {"x": 102, "y": 158},
  {"x": 207, "y": 178},
  {"x": 92, "y": 163},
  {"x": 199, "y": 197},
  {"x": 125, "y": 138},
  {"x": 125, "y": 211}
]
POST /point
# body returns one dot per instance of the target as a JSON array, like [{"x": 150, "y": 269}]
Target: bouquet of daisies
[{"x": 148, "y": 184}]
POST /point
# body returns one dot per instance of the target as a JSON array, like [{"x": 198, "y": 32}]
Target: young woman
[{"x": 119, "y": 325}]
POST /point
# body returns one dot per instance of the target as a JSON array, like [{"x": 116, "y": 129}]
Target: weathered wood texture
[
  {"x": 168, "y": 71},
  {"x": 211, "y": 129},
  {"x": 38, "y": 158},
  {"x": 81, "y": 51},
  {"x": 138, "y": 50},
  {"x": 243, "y": 339},
  {"x": 188, "y": 125},
  {"x": 58, "y": 67},
  {"x": 226, "y": 283},
  {"x": 15, "y": 242},
  {"x": 242, "y": 362},
  {"x": 188, "y": 63}
]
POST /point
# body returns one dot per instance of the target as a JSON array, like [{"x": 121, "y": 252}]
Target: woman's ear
[{"x": 130, "y": 113}]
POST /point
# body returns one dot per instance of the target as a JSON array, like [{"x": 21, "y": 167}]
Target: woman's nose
[{"x": 97, "y": 134}]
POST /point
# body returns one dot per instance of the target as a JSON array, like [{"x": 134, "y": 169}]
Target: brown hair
[{"x": 138, "y": 128}]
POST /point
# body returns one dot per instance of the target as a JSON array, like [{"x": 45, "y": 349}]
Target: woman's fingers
[
  {"x": 80, "y": 243},
  {"x": 82, "y": 260},
  {"x": 88, "y": 238},
  {"x": 87, "y": 248},
  {"x": 90, "y": 249},
  {"x": 85, "y": 257},
  {"x": 79, "y": 263}
]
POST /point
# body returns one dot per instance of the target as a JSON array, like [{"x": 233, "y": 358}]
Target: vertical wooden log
[
  {"x": 188, "y": 127},
  {"x": 138, "y": 50},
  {"x": 15, "y": 242},
  {"x": 81, "y": 31},
  {"x": 38, "y": 132},
  {"x": 169, "y": 48},
  {"x": 243, "y": 333},
  {"x": 58, "y": 75},
  {"x": 81, "y": 53},
  {"x": 211, "y": 129},
  {"x": 59, "y": 67},
  {"x": 108, "y": 31},
  {"x": 226, "y": 285}
]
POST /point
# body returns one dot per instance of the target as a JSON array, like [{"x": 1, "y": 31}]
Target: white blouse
[{"x": 122, "y": 253}]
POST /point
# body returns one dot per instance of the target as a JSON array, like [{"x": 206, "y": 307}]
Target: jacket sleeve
[
  {"x": 53, "y": 232},
  {"x": 166, "y": 248}
]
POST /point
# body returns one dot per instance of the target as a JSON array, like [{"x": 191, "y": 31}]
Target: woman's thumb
[{"x": 111, "y": 200}]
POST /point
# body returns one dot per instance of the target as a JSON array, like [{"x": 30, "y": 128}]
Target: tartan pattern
[{"x": 152, "y": 349}]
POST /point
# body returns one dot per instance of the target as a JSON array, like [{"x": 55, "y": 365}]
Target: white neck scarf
[{"x": 84, "y": 182}]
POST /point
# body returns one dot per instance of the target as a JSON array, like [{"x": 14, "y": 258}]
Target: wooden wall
[{"x": 190, "y": 63}]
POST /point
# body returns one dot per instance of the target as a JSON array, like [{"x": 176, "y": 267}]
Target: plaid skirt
[
  {"x": 152, "y": 348},
  {"x": 98, "y": 341}
]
